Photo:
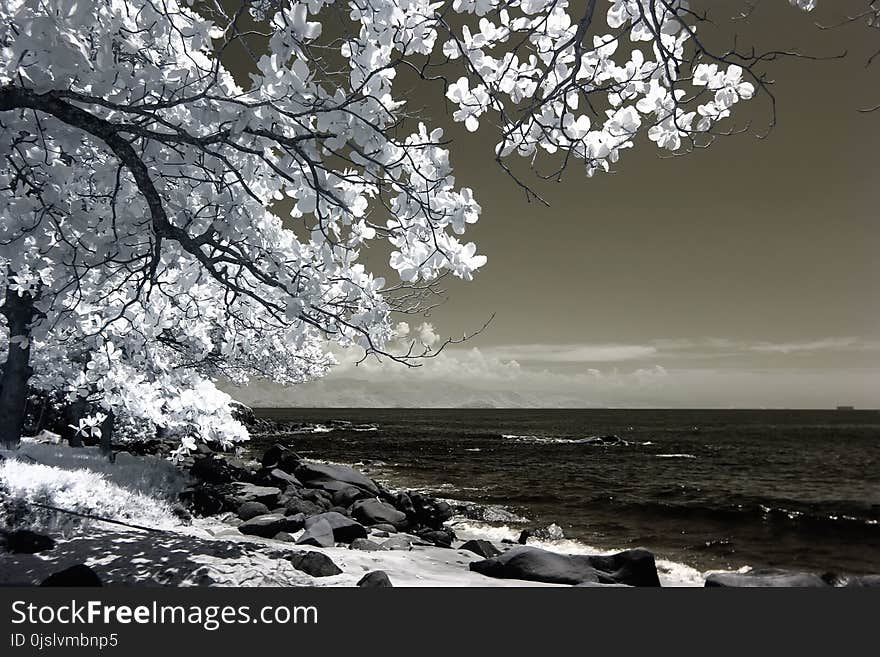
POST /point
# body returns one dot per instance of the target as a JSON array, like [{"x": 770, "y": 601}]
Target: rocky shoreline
[{"x": 282, "y": 508}]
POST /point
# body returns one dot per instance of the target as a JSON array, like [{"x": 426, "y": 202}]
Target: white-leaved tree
[{"x": 166, "y": 223}]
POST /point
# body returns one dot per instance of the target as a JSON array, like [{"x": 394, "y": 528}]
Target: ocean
[{"x": 712, "y": 489}]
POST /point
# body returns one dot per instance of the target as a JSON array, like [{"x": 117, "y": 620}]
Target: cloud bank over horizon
[{"x": 664, "y": 373}]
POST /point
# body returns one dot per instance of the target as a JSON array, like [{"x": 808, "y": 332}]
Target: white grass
[
  {"x": 139, "y": 474},
  {"x": 136, "y": 491}
]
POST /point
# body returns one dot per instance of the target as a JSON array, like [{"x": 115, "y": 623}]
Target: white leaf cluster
[{"x": 176, "y": 224}]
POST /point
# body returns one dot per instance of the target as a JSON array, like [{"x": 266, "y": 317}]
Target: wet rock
[
  {"x": 430, "y": 512},
  {"x": 481, "y": 548},
  {"x": 632, "y": 567},
  {"x": 439, "y": 537}
]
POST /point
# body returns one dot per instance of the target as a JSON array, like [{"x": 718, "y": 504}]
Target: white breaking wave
[{"x": 675, "y": 456}]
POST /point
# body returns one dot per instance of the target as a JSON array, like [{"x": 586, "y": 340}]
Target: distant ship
[{"x": 846, "y": 408}]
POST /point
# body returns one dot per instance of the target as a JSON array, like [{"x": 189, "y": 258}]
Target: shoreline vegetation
[{"x": 71, "y": 517}]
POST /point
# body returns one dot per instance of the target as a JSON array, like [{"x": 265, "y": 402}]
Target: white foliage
[{"x": 141, "y": 181}]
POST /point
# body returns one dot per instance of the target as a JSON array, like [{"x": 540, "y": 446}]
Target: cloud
[
  {"x": 707, "y": 372},
  {"x": 575, "y": 353},
  {"x": 826, "y": 344}
]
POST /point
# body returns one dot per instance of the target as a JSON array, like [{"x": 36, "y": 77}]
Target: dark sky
[{"x": 745, "y": 274}]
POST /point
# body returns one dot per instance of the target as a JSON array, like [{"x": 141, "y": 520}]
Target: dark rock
[
  {"x": 249, "y": 510},
  {"x": 347, "y": 496},
  {"x": 341, "y": 510},
  {"x": 244, "y": 492},
  {"x": 212, "y": 470},
  {"x": 315, "y": 564},
  {"x": 334, "y": 478},
  {"x": 299, "y": 505},
  {"x": 280, "y": 478},
  {"x": 279, "y": 456},
  {"x": 365, "y": 545},
  {"x": 482, "y": 548},
  {"x": 382, "y": 527},
  {"x": 78, "y": 575},
  {"x": 403, "y": 503},
  {"x": 270, "y": 524},
  {"x": 765, "y": 578},
  {"x": 633, "y": 567},
  {"x": 205, "y": 500},
  {"x": 374, "y": 580},
  {"x": 320, "y": 497},
  {"x": 242, "y": 413},
  {"x": 373, "y": 512},
  {"x": 320, "y": 534},
  {"x": 429, "y": 511},
  {"x": 25, "y": 541},
  {"x": 203, "y": 450},
  {"x": 345, "y": 530},
  {"x": 551, "y": 532},
  {"x": 284, "y": 536},
  {"x": 439, "y": 537}
]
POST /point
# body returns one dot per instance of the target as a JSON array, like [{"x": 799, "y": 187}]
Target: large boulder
[
  {"x": 249, "y": 510},
  {"x": 347, "y": 496},
  {"x": 266, "y": 526},
  {"x": 345, "y": 530},
  {"x": 765, "y": 578},
  {"x": 25, "y": 541},
  {"x": 320, "y": 534},
  {"x": 315, "y": 564},
  {"x": 78, "y": 575},
  {"x": 280, "y": 478},
  {"x": 333, "y": 478},
  {"x": 481, "y": 548},
  {"x": 375, "y": 580},
  {"x": 374, "y": 512},
  {"x": 439, "y": 537},
  {"x": 244, "y": 492},
  {"x": 632, "y": 567}
]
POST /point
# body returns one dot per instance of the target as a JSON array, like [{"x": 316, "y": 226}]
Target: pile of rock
[{"x": 331, "y": 504}]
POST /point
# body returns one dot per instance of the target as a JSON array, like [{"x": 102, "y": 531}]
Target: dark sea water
[{"x": 711, "y": 489}]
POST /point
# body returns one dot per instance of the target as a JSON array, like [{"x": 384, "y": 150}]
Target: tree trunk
[
  {"x": 107, "y": 434},
  {"x": 72, "y": 414},
  {"x": 19, "y": 312}
]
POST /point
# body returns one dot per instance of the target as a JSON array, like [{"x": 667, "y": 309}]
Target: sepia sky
[{"x": 744, "y": 275}]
